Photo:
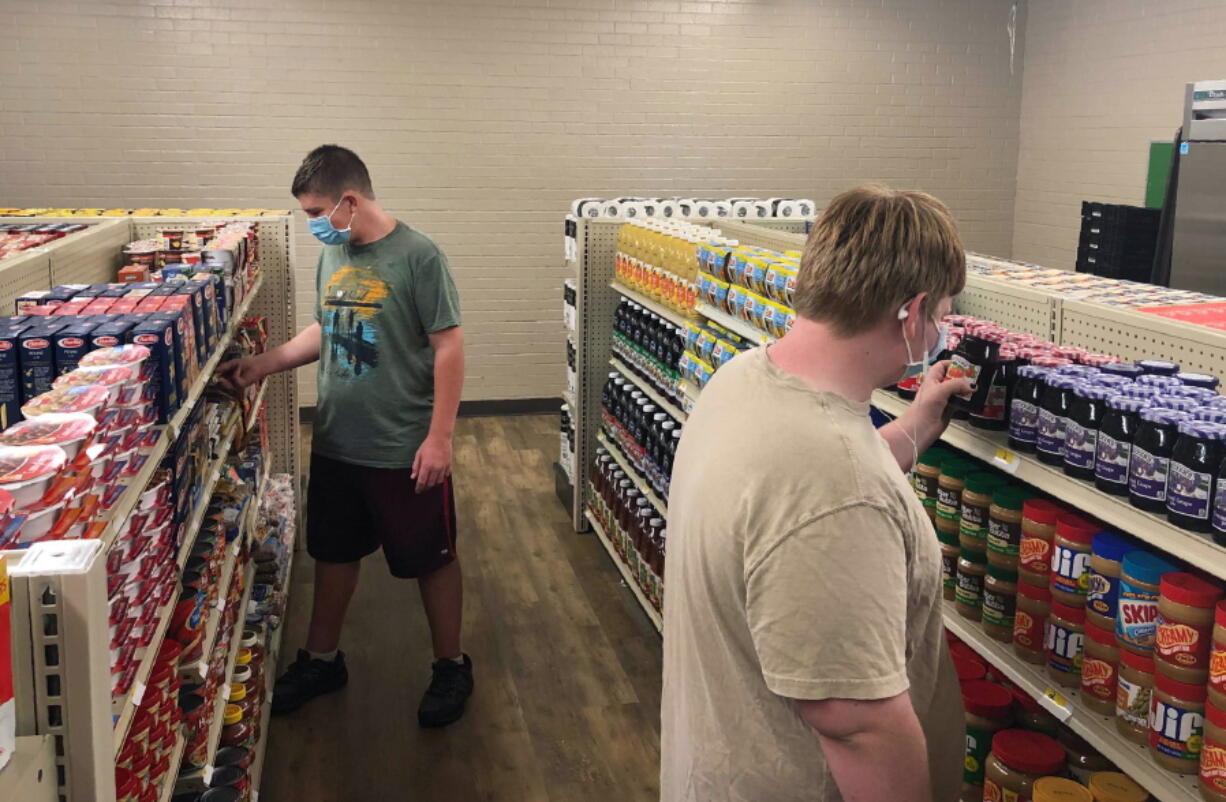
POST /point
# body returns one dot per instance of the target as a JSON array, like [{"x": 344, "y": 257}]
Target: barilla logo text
[
  {"x": 106, "y": 341},
  {"x": 72, "y": 342},
  {"x": 1034, "y": 549},
  {"x": 146, "y": 339},
  {"x": 36, "y": 344},
  {"x": 1096, "y": 672},
  {"x": 1175, "y": 637},
  {"x": 5, "y": 345}
]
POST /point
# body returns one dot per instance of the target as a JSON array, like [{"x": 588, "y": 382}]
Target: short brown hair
[
  {"x": 872, "y": 250},
  {"x": 331, "y": 170}
]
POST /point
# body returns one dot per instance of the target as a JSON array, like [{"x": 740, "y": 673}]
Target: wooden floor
[{"x": 567, "y": 667}]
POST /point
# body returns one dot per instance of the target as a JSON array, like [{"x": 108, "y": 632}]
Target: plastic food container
[
  {"x": 68, "y": 430},
  {"x": 115, "y": 378},
  {"x": 130, "y": 356},
  {"x": 89, "y": 398},
  {"x": 27, "y": 471}
]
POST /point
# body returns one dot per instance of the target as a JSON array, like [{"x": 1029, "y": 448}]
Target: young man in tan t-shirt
[{"x": 804, "y": 652}]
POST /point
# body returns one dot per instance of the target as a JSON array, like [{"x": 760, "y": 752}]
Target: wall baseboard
[{"x": 481, "y": 409}]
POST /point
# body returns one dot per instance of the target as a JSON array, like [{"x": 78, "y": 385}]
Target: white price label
[
  {"x": 1006, "y": 460},
  {"x": 138, "y": 693},
  {"x": 208, "y": 775},
  {"x": 221, "y": 606},
  {"x": 1055, "y": 703}
]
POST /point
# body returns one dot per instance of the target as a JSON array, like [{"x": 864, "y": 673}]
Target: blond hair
[{"x": 872, "y": 250}]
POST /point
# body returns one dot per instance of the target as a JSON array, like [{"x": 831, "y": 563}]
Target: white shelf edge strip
[{"x": 624, "y": 570}]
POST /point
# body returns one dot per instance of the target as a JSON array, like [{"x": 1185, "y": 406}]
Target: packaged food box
[
  {"x": 99, "y": 306},
  {"x": 124, "y": 306},
  {"x": 36, "y": 359},
  {"x": 64, "y": 292},
  {"x": 181, "y": 351},
  {"x": 115, "y": 291},
  {"x": 196, "y": 296},
  {"x": 111, "y": 334},
  {"x": 158, "y": 337},
  {"x": 26, "y": 300},
  {"x": 10, "y": 375},
  {"x": 71, "y": 343}
]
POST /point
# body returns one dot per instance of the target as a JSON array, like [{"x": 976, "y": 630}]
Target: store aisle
[{"x": 567, "y": 667}]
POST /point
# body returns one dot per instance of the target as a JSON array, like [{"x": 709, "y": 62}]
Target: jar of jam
[
  {"x": 1103, "y": 592},
  {"x": 926, "y": 476},
  {"x": 1161, "y": 367},
  {"x": 1168, "y": 401},
  {"x": 1038, "y": 533},
  {"x": 1099, "y": 668},
  {"x": 1024, "y": 407},
  {"x": 1202, "y": 380},
  {"x": 235, "y": 731},
  {"x": 1213, "y": 756},
  {"x": 1081, "y": 431},
  {"x": 1184, "y": 635},
  {"x": 1017, "y": 760},
  {"x": 995, "y": 413},
  {"x": 976, "y": 499},
  {"x": 1070, "y": 559},
  {"x": 976, "y": 361},
  {"x": 1151, "y": 455},
  {"x": 1059, "y": 789},
  {"x": 989, "y": 709},
  {"x": 1053, "y": 418},
  {"x": 1125, "y": 369},
  {"x": 1177, "y": 725},
  {"x": 949, "y": 489},
  {"x": 968, "y": 596},
  {"x": 1195, "y": 460},
  {"x": 1141, "y": 391},
  {"x": 1134, "y": 689},
  {"x": 1005, "y": 526},
  {"x": 1136, "y": 623},
  {"x": 1112, "y": 786},
  {"x": 1214, "y": 414},
  {"x": 999, "y": 603},
  {"x": 238, "y": 756},
  {"x": 949, "y": 563},
  {"x": 1217, "y": 518},
  {"x": 1030, "y": 622},
  {"x": 1065, "y": 643},
  {"x": 1217, "y": 658},
  {"x": 1198, "y": 394}
]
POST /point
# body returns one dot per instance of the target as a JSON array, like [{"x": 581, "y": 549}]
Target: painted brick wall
[
  {"x": 1103, "y": 78},
  {"x": 482, "y": 119}
]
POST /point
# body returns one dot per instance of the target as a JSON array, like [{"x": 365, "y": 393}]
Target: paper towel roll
[
  {"x": 807, "y": 207},
  {"x": 611, "y": 209},
  {"x": 650, "y": 208},
  {"x": 666, "y": 209},
  {"x": 723, "y": 209},
  {"x": 763, "y": 209},
  {"x": 633, "y": 209},
  {"x": 685, "y": 207},
  {"x": 577, "y": 205},
  {"x": 704, "y": 209},
  {"x": 743, "y": 210},
  {"x": 787, "y": 209}
]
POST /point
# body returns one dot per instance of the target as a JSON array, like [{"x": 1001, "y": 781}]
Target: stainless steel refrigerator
[{"x": 1198, "y": 244}]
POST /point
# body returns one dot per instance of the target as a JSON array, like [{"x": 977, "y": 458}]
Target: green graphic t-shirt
[{"x": 377, "y": 304}]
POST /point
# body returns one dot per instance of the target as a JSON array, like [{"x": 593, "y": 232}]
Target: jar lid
[
  {"x": 1098, "y": 360},
  {"x": 960, "y": 651},
  {"x": 1153, "y": 380},
  {"x": 1041, "y": 511},
  {"x": 244, "y": 654},
  {"x": 1109, "y": 380},
  {"x": 1050, "y": 361},
  {"x": 1031, "y": 371},
  {"x": 1071, "y": 526},
  {"x": 233, "y": 714},
  {"x": 231, "y": 756},
  {"x": 227, "y": 777},
  {"x": 983, "y": 482},
  {"x": 1217, "y": 402},
  {"x": 1210, "y": 414},
  {"x": 1199, "y": 394},
  {"x": 987, "y": 699},
  {"x": 1095, "y": 392},
  {"x": 1204, "y": 430},
  {"x": 1126, "y": 369},
  {"x": 969, "y": 670},
  {"x": 1139, "y": 662},
  {"x": 1113, "y": 786},
  {"x": 1145, "y": 567},
  {"x": 1058, "y": 789},
  {"x": 1180, "y": 690},
  {"x": 1111, "y": 546},
  {"x": 1160, "y": 366},
  {"x": 1215, "y": 715},
  {"x": 1163, "y": 415},
  {"x": 1028, "y": 752},
  {"x": 238, "y": 692},
  {"x": 1009, "y": 497},
  {"x": 1002, "y": 573},
  {"x": 934, "y": 456},
  {"x": 1033, "y": 591},
  {"x": 1199, "y": 380},
  {"x": 1100, "y": 635},
  {"x": 972, "y": 556},
  {"x": 1069, "y": 350},
  {"x": 1083, "y": 371},
  {"x": 1185, "y": 588},
  {"x": 1076, "y": 615},
  {"x": 1139, "y": 391},
  {"x": 955, "y": 468},
  {"x": 1064, "y": 382},
  {"x": 1167, "y": 401}
]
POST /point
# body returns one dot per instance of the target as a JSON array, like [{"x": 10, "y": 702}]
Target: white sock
[{"x": 327, "y": 657}]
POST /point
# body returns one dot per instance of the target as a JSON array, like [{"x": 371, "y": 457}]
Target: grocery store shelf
[
  {"x": 671, "y": 315},
  {"x": 255, "y": 405},
  {"x": 734, "y": 324},
  {"x": 168, "y": 782},
  {"x": 30, "y": 773},
  {"x": 690, "y": 393},
  {"x": 993, "y": 448},
  {"x": 648, "y": 608},
  {"x": 632, "y": 473},
  {"x": 261, "y": 750},
  {"x": 644, "y": 385},
  {"x": 569, "y": 398},
  {"x": 1099, "y": 731},
  {"x": 198, "y": 671}
]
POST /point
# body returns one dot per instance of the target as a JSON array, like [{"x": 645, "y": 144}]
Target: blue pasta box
[
  {"x": 66, "y": 292},
  {"x": 10, "y": 375},
  {"x": 71, "y": 343},
  {"x": 36, "y": 359},
  {"x": 196, "y": 294},
  {"x": 111, "y": 334},
  {"x": 115, "y": 291},
  {"x": 165, "y": 289},
  {"x": 29, "y": 299},
  {"x": 208, "y": 311},
  {"x": 159, "y": 337},
  {"x": 12, "y": 320},
  {"x": 179, "y": 353}
]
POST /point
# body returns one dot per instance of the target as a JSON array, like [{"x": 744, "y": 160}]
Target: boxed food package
[
  {"x": 8, "y": 707},
  {"x": 37, "y": 360}
]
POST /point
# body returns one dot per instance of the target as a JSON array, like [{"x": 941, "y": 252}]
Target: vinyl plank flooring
[{"x": 567, "y": 667}]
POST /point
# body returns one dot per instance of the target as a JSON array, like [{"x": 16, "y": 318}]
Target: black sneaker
[
  {"x": 449, "y": 689},
  {"x": 307, "y": 678}
]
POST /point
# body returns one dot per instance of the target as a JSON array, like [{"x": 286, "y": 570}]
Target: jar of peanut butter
[
  {"x": 968, "y": 597},
  {"x": 1136, "y": 624},
  {"x": 1065, "y": 639},
  {"x": 1030, "y": 623},
  {"x": 1217, "y": 658},
  {"x": 949, "y": 561},
  {"x": 1070, "y": 559},
  {"x": 1103, "y": 593},
  {"x": 999, "y": 602},
  {"x": 1177, "y": 725},
  {"x": 1134, "y": 692},
  {"x": 950, "y": 484},
  {"x": 1112, "y": 786},
  {"x": 1099, "y": 670},
  {"x": 1083, "y": 760},
  {"x": 1005, "y": 526},
  {"x": 926, "y": 475},
  {"x": 988, "y": 711},
  {"x": 1183, "y": 640},
  {"x": 1213, "y": 756},
  {"x": 973, "y": 514},
  {"x": 1038, "y": 532},
  {"x": 1058, "y": 789},
  {"x": 1017, "y": 760}
]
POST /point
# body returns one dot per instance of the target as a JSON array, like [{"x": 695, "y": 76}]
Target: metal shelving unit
[
  {"x": 633, "y": 376},
  {"x": 734, "y": 324},
  {"x": 632, "y": 473},
  {"x": 652, "y": 613},
  {"x": 168, "y": 782},
  {"x": 671, "y": 315}
]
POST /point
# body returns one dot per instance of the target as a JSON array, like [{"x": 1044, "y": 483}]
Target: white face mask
[{"x": 914, "y": 368}]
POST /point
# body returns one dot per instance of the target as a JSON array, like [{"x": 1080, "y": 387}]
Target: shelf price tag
[
  {"x": 207, "y": 776},
  {"x": 138, "y": 693},
  {"x": 1006, "y": 460},
  {"x": 1055, "y": 703}
]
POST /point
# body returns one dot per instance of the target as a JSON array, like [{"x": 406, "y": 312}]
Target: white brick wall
[
  {"x": 1103, "y": 78},
  {"x": 482, "y": 119}
]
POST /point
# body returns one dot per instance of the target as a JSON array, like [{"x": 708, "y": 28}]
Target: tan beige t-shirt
[{"x": 800, "y": 565}]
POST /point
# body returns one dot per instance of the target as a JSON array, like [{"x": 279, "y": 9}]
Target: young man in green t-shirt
[{"x": 391, "y": 365}]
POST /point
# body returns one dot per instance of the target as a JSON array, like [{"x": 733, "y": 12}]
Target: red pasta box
[
  {"x": 8, "y": 707},
  {"x": 123, "y": 306},
  {"x": 72, "y": 308},
  {"x": 99, "y": 306},
  {"x": 153, "y": 303},
  {"x": 133, "y": 274}
]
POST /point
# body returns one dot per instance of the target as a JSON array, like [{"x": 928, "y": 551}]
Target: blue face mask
[
  {"x": 920, "y": 368},
  {"x": 327, "y": 233}
]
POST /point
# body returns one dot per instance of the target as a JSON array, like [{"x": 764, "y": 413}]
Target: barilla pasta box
[
  {"x": 111, "y": 334},
  {"x": 221, "y": 300},
  {"x": 123, "y": 306},
  {"x": 26, "y": 300},
  {"x": 8, "y": 709},
  {"x": 182, "y": 305},
  {"x": 179, "y": 347},
  {"x": 64, "y": 292},
  {"x": 10, "y": 376},
  {"x": 151, "y": 304},
  {"x": 115, "y": 291},
  {"x": 36, "y": 360},
  {"x": 159, "y": 337},
  {"x": 165, "y": 289},
  {"x": 71, "y": 343},
  {"x": 12, "y": 320},
  {"x": 87, "y": 294},
  {"x": 196, "y": 296},
  {"x": 208, "y": 311},
  {"x": 99, "y": 306},
  {"x": 73, "y": 308}
]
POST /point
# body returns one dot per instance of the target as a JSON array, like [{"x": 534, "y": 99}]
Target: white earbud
[{"x": 903, "y": 314}]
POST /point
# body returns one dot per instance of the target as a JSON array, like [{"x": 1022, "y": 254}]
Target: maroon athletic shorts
[{"x": 352, "y": 510}]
